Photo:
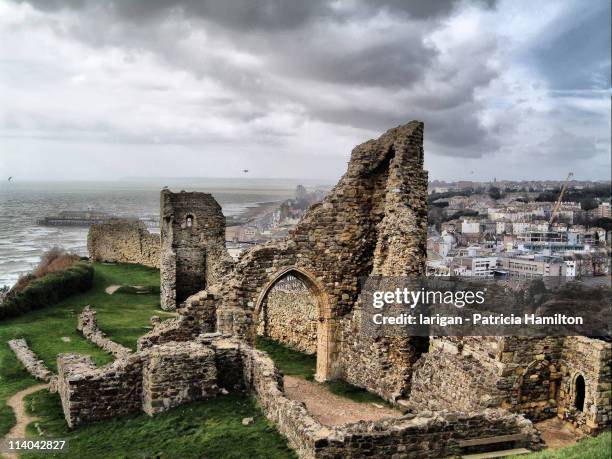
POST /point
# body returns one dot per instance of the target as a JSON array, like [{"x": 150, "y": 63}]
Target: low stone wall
[
  {"x": 152, "y": 380},
  {"x": 423, "y": 435},
  {"x": 445, "y": 381},
  {"x": 88, "y": 325},
  {"x": 91, "y": 394},
  {"x": 35, "y": 366},
  {"x": 123, "y": 241},
  {"x": 174, "y": 375},
  {"x": 196, "y": 316},
  {"x": 171, "y": 374}
]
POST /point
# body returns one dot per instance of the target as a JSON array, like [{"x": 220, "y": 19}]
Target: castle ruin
[
  {"x": 373, "y": 222},
  {"x": 193, "y": 254}
]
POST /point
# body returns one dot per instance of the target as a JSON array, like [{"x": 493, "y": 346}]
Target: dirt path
[
  {"x": 22, "y": 419},
  {"x": 557, "y": 434},
  {"x": 330, "y": 409}
]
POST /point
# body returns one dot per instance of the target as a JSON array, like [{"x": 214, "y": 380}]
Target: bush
[
  {"x": 52, "y": 261},
  {"x": 49, "y": 289}
]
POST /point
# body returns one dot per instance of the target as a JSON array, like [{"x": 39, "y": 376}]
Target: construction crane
[{"x": 560, "y": 199}]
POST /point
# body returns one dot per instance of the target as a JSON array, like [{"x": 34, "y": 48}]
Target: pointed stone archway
[{"x": 327, "y": 347}]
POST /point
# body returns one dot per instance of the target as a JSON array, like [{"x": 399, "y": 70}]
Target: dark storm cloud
[
  {"x": 261, "y": 14},
  {"x": 486, "y": 77},
  {"x": 578, "y": 56}
]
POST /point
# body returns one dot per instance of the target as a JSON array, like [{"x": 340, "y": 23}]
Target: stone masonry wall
[
  {"x": 88, "y": 325},
  {"x": 123, "y": 241},
  {"x": 91, "y": 394},
  {"x": 193, "y": 254},
  {"x": 174, "y": 375},
  {"x": 590, "y": 358},
  {"x": 35, "y": 366},
  {"x": 353, "y": 233},
  {"x": 445, "y": 381},
  {"x": 197, "y": 315},
  {"x": 425, "y": 435}
]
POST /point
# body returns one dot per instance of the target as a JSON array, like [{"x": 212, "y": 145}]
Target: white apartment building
[{"x": 470, "y": 227}]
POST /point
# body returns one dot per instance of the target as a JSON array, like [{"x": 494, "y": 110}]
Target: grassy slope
[
  {"x": 44, "y": 328},
  {"x": 294, "y": 363},
  {"x": 204, "y": 429},
  {"x": 207, "y": 429},
  {"x": 599, "y": 447}
]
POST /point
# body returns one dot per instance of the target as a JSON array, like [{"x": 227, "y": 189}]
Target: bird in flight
[
  {"x": 10, "y": 178},
  {"x": 245, "y": 171}
]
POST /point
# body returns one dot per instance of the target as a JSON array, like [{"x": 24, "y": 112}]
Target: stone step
[{"x": 503, "y": 453}]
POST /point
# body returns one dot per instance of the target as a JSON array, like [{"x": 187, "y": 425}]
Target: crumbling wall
[
  {"x": 176, "y": 374},
  {"x": 35, "y": 366},
  {"x": 445, "y": 381},
  {"x": 123, "y": 241},
  {"x": 193, "y": 254},
  {"x": 591, "y": 359},
  {"x": 164, "y": 376},
  {"x": 427, "y": 435},
  {"x": 196, "y": 316},
  {"x": 88, "y": 325},
  {"x": 91, "y": 394},
  {"x": 353, "y": 233}
]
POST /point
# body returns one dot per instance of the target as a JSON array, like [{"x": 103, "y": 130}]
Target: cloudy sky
[{"x": 101, "y": 89}]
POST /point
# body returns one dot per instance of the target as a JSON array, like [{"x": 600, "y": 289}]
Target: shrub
[
  {"x": 49, "y": 289},
  {"x": 52, "y": 261}
]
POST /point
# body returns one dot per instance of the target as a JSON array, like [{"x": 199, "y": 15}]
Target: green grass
[
  {"x": 124, "y": 317},
  {"x": 206, "y": 429},
  {"x": 599, "y": 447},
  {"x": 295, "y": 363},
  {"x": 290, "y": 362}
]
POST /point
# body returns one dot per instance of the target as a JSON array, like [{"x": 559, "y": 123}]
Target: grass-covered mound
[
  {"x": 49, "y": 289},
  {"x": 50, "y": 331},
  {"x": 211, "y": 428},
  {"x": 206, "y": 429}
]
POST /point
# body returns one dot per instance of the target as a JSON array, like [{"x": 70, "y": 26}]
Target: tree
[{"x": 494, "y": 193}]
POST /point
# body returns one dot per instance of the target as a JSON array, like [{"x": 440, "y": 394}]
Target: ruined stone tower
[{"x": 193, "y": 253}]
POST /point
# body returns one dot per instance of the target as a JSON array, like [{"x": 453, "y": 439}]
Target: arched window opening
[
  {"x": 580, "y": 392},
  {"x": 189, "y": 221}
]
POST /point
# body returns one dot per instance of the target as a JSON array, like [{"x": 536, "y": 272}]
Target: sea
[{"x": 22, "y": 204}]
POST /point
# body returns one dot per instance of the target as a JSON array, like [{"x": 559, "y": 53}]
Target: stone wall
[
  {"x": 353, "y": 233},
  {"x": 426, "y": 435},
  {"x": 197, "y": 315},
  {"x": 91, "y": 394},
  {"x": 35, "y": 366},
  {"x": 88, "y": 325},
  {"x": 289, "y": 316},
  {"x": 152, "y": 380},
  {"x": 445, "y": 381},
  {"x": 591, "y": 359},
  {"x": 174, "y": 375},
  {"x": 532, "y": 376},
  {"x": 193, "y": 253},
  {"x": 123, "y": 241}
]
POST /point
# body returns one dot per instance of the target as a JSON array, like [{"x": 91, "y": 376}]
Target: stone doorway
[{"x": 293, "y": 310}]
